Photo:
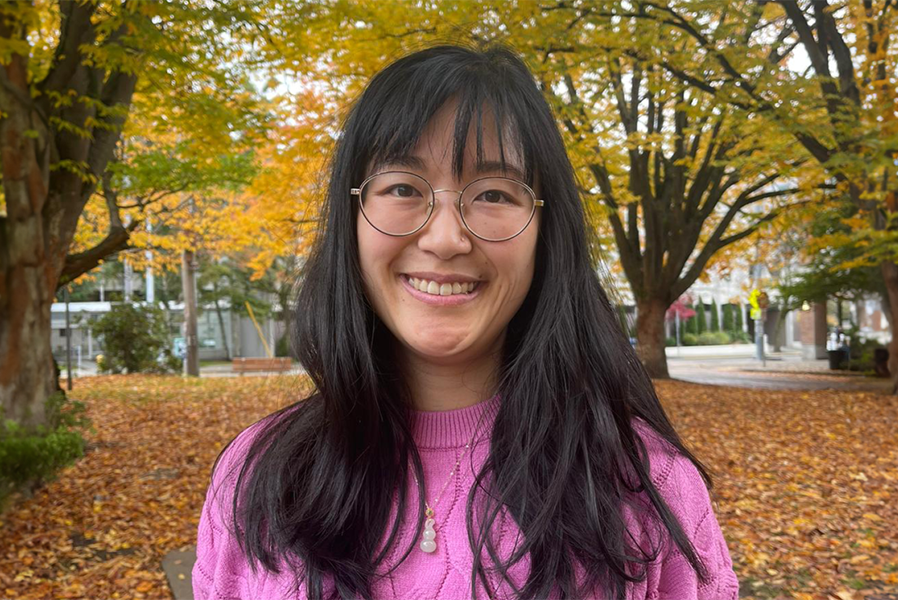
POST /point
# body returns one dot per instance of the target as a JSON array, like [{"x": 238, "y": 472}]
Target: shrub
[
  {"x": 715, "y": 316},
  {"x": 713, "y": 338},
  {"x": 134, "y": 340},
  {"x": 700, "y": 319},
  {"x": 690, "y": 339},
  {"x": 670, "y": 342},
  {"x": 728, "y": 321},
  {"x": 692, "y": 323},
  {"x": 740, "y": 337},
  {"x": 861, "y": 357},
  {"x": 737, "y": 313},
  {"x": 282, "y": 346},
  {"x": 29, "y": 458}
]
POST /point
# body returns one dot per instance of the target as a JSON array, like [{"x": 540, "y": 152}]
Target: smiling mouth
[{"x": 442, "y": 289}]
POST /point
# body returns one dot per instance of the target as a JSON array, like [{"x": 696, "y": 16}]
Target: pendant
[{"x": 427, "y": 543}]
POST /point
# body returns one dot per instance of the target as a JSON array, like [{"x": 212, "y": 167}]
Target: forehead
[{"x": 487, "y": 147}]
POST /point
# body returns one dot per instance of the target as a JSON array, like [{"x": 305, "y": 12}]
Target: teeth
[{"x": 444, "y": 289}]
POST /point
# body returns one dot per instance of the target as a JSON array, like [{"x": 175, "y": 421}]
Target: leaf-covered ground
[{"x": 803, "y": 483}]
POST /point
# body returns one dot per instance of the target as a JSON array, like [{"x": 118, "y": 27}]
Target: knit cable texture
[{"x": 222, "y": 573}]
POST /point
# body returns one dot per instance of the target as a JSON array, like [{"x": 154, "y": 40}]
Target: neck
[{"x": 440, "y": 386}]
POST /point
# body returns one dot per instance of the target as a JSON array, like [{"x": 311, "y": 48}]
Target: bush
[
  {"x": 715, "y": 316},
  {"x": 29, "y": 458},
  {"x": 861, "y": 357},
  {"x": 737, "y": 313},
  {"x": 282, "y": 346},
  {"x": 135, "y": 340},
  {"x": 700, "y": 319},
  {"x": 670, "y": 342},
  {"x": 713, "y": 338},
  {"x": 729, "y": 323},
  {"x": 690, "y": 339},
  {"x": 740, "y": 337},
  {"x": 692, "y": 323}
]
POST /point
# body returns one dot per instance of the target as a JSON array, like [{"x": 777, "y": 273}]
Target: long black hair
[{"x": 563, "y": 457}]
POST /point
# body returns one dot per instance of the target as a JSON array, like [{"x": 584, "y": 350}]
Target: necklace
[{"x": 428, "y": 539}]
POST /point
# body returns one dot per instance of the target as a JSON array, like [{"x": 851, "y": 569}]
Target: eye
[
  {"x": 403, "y": 190},
  {"x": 492, "y": 196}
]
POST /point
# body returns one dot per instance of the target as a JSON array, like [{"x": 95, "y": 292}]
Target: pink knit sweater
[{"x": 221, "y": 573}]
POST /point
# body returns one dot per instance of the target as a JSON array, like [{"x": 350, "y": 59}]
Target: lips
[
  {"x": 445, "y": 294},
  {"x": 442, "y": 289}
]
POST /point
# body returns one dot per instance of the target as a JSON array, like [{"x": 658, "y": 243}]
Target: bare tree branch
[{"x": 79, "y": 264}]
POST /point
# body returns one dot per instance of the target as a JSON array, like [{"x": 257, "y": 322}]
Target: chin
[{"x": 437, "y": 346}]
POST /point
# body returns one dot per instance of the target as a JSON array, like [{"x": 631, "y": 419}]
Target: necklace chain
[
  {"x": 428, "y": 543},
  {"x": 429, "y": 509}
]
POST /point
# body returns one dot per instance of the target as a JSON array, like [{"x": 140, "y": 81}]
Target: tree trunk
[
  {"x": 26, "y": 363},
  {"x": 27, "y": 276},
  {"x": 650, "y": 336},
  {"x": 777, "y": 327},
  {"x": 188, "y": 271},
  {"x": 221, "y": 323},
  {"x": 890, "y": 277}
]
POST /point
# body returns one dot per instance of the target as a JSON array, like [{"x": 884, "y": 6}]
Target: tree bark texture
[
  {"x": 49, "y": 174},
  {"x": 650, "y": 344},
  {"x": 188, "y": 273},
  {"x": 890, "y": 277}
]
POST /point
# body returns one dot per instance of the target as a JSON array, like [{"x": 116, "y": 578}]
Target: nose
[{"x": 445, "y": 234}]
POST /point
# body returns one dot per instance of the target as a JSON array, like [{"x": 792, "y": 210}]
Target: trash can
[
  {"x": 836, "y": 359},
  {"x": 881, "y": 362}
]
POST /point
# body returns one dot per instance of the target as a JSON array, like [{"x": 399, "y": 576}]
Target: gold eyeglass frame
[{"x": 458, "y": 204}]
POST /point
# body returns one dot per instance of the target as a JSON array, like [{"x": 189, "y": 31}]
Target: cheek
[{"x": 377, "y": 253}]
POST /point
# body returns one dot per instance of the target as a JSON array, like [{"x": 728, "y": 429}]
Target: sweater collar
[{"x": 454, "y": 428}]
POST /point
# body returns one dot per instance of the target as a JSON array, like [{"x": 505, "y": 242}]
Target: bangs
[{"x": 404, "y": 104}]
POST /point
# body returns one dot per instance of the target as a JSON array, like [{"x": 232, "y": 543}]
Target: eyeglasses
[{"x": 494, "y": 209}]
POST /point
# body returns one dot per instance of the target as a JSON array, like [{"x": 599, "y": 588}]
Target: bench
[{"x": 245, "y": 365}]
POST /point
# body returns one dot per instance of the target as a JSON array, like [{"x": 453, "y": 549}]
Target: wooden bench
[{"x": 245, "y": 365}]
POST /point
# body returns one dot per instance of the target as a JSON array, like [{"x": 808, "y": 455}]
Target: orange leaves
[
  {"x": 805, "y": 499},
  {"x": 804, "y": 486},
  {"x": 101, "y": 529}
]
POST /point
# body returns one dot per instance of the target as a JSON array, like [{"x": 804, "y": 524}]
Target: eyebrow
[{"x": 487, "y": 166}]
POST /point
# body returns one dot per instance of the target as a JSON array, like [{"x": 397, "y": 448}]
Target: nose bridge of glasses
[{"x": 458, "y": 193}]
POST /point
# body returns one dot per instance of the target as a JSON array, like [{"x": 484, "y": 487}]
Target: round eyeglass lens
[
  {"x": 396, "y": 203},
  {"x": 496, "y": 208}
]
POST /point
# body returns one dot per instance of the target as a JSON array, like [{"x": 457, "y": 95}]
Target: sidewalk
[
  {"x": 89, "y": 369},
  {"x": 781, "y": 371}
]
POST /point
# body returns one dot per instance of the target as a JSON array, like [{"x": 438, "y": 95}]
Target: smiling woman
[
  {"x": 481, "y": 426},
  {"x": 448, "y": 337}
]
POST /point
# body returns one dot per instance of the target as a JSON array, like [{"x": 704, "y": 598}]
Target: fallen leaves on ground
[
  {"x": 803, "y": 485},
  {"x": 101, "y": 529}
]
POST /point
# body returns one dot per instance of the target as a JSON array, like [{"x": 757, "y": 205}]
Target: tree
[
  {"x": 692, "y": 323},
  {"x": 679, "y": 311},
  {"x": 832, "y": 269},
  {"x": 740, "y": 323},
  {"x": 226, "y": 281},
  {"x": 701, "y": 319},
  {"x": 70, "y": 75},
  {"x": 840, "y": 109},
  {"x": 715, "y": 317},
  {"x": 729, "y": 323}
]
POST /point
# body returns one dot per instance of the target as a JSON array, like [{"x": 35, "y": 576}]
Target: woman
[{"x": 481, "y": 426}]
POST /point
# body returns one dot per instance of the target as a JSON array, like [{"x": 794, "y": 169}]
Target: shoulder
[
  {"x": 233, "y": 457},
  {"x": 683, "y": 489},
  {"x": 220, "y": 569},
  {"x": 671, "y": 471}
]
